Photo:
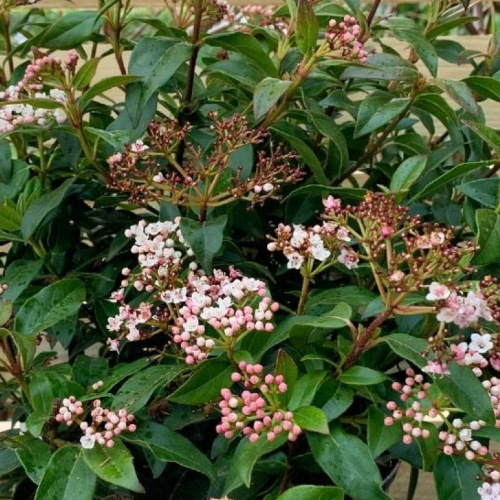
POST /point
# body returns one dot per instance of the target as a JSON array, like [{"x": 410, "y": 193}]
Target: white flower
[
  {"x": 438, "y": 291},
  {"x": 87, "y": 441},
  {"x": 299, "y": 236},
  {"x": 465, "y": 434},
  {"x": 320, "y": 253},
  {"x": 295, "y": 260},
  {"x": 489, "y": 491},
  {"x": 480, "y": 343},
  {"x": 191, "y": 324},
  {"x": 348, "y": 258},
  {"x": 473, "y": 359}
]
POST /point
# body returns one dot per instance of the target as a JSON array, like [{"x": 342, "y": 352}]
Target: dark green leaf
[
  {"x": 88, "y": 370},
  {"x": 383, "y": 67},
  {"x": 103, "y": 86},
  {"x": 455, "y": 477},
  {"x": 486, "y": 133},
  {"x": 33, "y": 454},
  {"x": 86, "y": 73},
  {"x": 380, "y": 436},
  {"x": 485, "y": 86},
  {"x": 408, "y": 347},
  {"x": 10, "y": 220},
  {"x": 488, "y": 238},
  {"x": 460, "y": 93},
  {"x": 267, "y": 94},
  {"x": 49, "y": 306},
  {"x": 18, "y": 276},
  {"x": 67, "y": 477},
  {"x": 407, "y": 173},
  {"x": 377, "y": 111},
  {"x": 347, "y": 461},
  {"x": 484, "y": 191},
  {"x": 306, "y": 27}
]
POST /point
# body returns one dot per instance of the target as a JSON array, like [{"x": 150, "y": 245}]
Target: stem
[
  {"x": 15, "y": 367},
  {"x": 188, "y": 96},
  {"x": 372, "y": 13},
  {"x": 8, "y": 43},
  {"x": 306, "y": 281}
]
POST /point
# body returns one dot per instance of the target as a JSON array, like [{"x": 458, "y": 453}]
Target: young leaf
[
  {"x": 49, "y": 306},
  {"x": 267, "y": 94},
  {"x": 205, "y": 238},
  {"x": 347, "y": 461},
  {"x": 306, "y": 27},
  {"x": 113, "y": 465},
  {"x": 67, "y": 477}
]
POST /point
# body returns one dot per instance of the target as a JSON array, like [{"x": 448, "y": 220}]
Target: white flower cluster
[
  {"x": 18, "y": 113},
  {"x": 489, "y": 491}
]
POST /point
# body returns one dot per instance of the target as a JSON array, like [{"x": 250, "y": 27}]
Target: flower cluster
[
  {"x": 185, "y": 302},
  {"x": 458, "y": 439},
  {"x": 105, "y": 424},
  {"x": 44, "y": 71},
  {"x": 345, "y": 36},
  {"x": 302, "y": 245},
  {"x": 261, "y": 15},
  {"x": 413, "y": 392},
  {"x": 257, "y": 411},
  {"x": 156, "y": 175}
]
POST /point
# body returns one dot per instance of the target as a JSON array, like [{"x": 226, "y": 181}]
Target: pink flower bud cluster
[
  {"x": 457, "y": 307},
  {"x": 458, "y": 439},
  {"x": 346, "y": 38},
  {"x": 184, "y": 300},
  {"x": 492, "y": 387},
  {"x": 70, "y": 410},
  {"x": 105, "y": 426},
  {"x": 412, "y": 392},
  {"x": 257, "y": 411},
  {"x": 301, "y": 245}
]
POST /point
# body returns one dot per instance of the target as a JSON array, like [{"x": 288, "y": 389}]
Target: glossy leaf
[
  {"x": 103, "y": 86},
  {"x": 486, "y": 133},
  {"x": 460, "y": 93},
  {"x": 18, "y": 276},
  {"x": 408, "y": 347},
  {"x": 306, "y": 27},
  {"x": 113, "y": 465},
  {"x": 380, "y": 436},
  {"x": 488, "y": 238},
  {"x": 205, "y": 238},
  {"x": 305, "y": 492},
  {"x": 10, "y": 220},
  {"x": 168, "y": 446},
  {"x": 39, "y": 209},
  {"x": 33, "y": 454},
  {"x": 86, "y": 73},
  {"x": 484, "y": 191},
  {"x": 67, "y": 477},
  {"x": 361, "y": 375},
  {"x": 377, "y": 112},
  {"x": 49, "y": 306},
  {"x": 383, "y": 67},
  {"x": 205, "y": 384},
  {"x": 455, "y": 477},
  {"x": 305, "y": 389},
  {"x": 408, "y": 173},
  {"x": 485, "y": 86},
  {"x": 466, "y": 392},
  {"x": 347, "y": 461},
  {"x": 312, "y": 419}
]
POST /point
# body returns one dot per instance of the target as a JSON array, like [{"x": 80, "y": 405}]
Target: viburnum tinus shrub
[{"x": 259, "y": 261}]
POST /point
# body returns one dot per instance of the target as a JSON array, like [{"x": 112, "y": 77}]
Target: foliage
[{"x": 264, "y": 249}]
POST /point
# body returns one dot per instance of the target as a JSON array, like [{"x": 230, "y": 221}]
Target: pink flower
[{"x": 438, "y": 291}]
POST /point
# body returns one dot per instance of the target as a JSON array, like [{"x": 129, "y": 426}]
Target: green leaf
[
  {"x": 306, "y": 153},
  {"x": 347, "y": 461},
  {"x": 306, "y": 27},
  {"x": 18, "y": 276},
  {"x": 244, "y": 73},
  {"x": 113, "y": 465},
  {"x": 466, "y": 392},
  {"x": 486, "y": 133},
  {"x": 286, "y": 366},
  {"x": 39, "y": 209},
  {"x": 49, "y": 306},
  {"x": 137, "y": 390},
  {"x": 10, "y": 220},
  {"x": 380, "y": 436},
  {"x": 460, "y": 93},
  {"x": 20, "y": 176},
  {"x": 247, "y": 454},
  {"x": 383, "y": 67},
  {"x": 406, "y": 30},
  {"x": 338, "y": 317},
  {"x": 86, "y": 73},
  {"x": 305, "y": 389},
  {"x": 408, "y": 347},
  {"x": 485, "y": 86},
  {"x": 247, "y": 45},
  {"x": 168, "y": 446},
  {"x": 448, "y": 177},
  {"x": 376, "y": 111},
  {"x": 310, "y": 418},
  {"x": 88, "y": 370},
  {"x": 123, "y": 371},
  {"x": 103, "y": 86},
  {"x": 361, "y": 375},
  {"x": 204, "y": 238},
  {"x": 67, "y": 477},
  {"x": 165, "y": 68},
  {"x": 484, "y": 191},
  {"x": 334, "y": 398},
  {"x": 26, "y": 346},
  {"x": 33, "y": 454},
  {"x": 267, "y": 94},
  {"x": 205, "y": 384},
  {"x": 354, "y": 296},
  {"x": 488, "y": 238},
  {"x": 455, "y": 477},
  {"x": 407, "y": 173},
  {"x": 305, "y": 492}
]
